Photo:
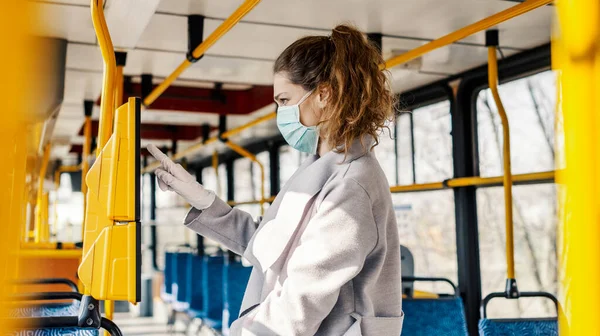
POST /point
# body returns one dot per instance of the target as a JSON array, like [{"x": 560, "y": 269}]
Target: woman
[{"x": 326, "y": 254}]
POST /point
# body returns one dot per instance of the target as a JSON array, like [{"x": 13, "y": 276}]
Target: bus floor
[{"x": 142, "y": 326}]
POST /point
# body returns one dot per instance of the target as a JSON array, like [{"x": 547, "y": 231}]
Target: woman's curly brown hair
[{"x": 346, "y": 63}]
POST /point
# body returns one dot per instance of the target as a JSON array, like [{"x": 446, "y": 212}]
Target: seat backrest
[
  {"x": 180, "y": 278},
  {"x": 235, "y": 281},
  {"x": 408, "y": 268},
  {"x": 443, "y": 316},
  {"x": 194, "y": 297},
  {"x": 168, "y": 272},
  {"x": 521, "y": 327},
  {"x": 212, "y": 288},
  {"x": 51, "y": 310}
]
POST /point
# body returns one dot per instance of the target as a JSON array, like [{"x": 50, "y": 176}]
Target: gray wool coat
[{"x": 326, "y": 255}]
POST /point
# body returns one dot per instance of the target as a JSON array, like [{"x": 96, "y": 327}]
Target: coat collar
[{"x": 290, "y": 206}]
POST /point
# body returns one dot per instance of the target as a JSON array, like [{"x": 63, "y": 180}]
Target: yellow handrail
[
  {"x": 40, "y": 194},
  {"x": 108, "y": 56},
  {"x": 471, "y": 29},
  {"x": 508, "y": 206},
  {"x": 119, "y": 87},
  {"x": 49, "y": 246},
  {"x": 243, "y": 152},
  {"x": 453, "y": 183},
  {"x": 231, "y": 21},
  {"x": 474, "y": 181},
  {"x": 215, "y": 165},
  {"x": 256, "y": 201}
]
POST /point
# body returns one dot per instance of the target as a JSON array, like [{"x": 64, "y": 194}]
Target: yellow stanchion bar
[
  {"x": 119, "y": 87},
  {"x": 469, "y": 30},
  {"x": 475, "y": 181},
  {"x": 109, "y": 310},
  {"x": 253, "y": 123},
  {"x": 231, "y": 21},
  {"x": 417, "y": 187},
  {"x": 109, "y": 305},
  {"x": 215, "y": 165},
  {"x": 48, "y": 246},
  {"x": 45, "y": 225},
  {"x": 108, "y": 93},
  {"x": 85, "y": 164},
  {"x": 57, "y": 254},
  {"x": 40, "y": 194},
  {"x": 578, "y": 48},
  {"x": 257, "y": 201},
  {"x": 243, "y": 152},
  {"x": 508, "y": 206}
]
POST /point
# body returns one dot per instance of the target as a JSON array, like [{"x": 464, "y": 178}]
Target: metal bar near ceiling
[
  {"x": 469, "y": 30},
  {"x": 244, "y": 9}
]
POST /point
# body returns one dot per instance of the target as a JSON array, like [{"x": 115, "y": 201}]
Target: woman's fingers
[
  {"x": 161, "y": 157},
  {"x": 180, "y": 173},
  {"x": 174, "y": 169},
  {"x": 163, "y": 176}
]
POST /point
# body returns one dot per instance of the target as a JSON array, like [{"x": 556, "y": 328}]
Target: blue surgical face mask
[{"x": 300, "y": 137}]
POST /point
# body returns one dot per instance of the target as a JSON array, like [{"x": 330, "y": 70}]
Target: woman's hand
[{"x": 174, "y": 177}]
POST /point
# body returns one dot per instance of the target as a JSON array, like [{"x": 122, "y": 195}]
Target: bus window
[
  {"x": 69, "y": 210},
  {"x": 405, "y": 157},
  {"x": 535, "y": 220},
  {"x": 209, "y": 180},
  {"x": 289, "y": 160},
  {"x": 433, "y": 142},
  {"x": 247, "y": 182},
  {"x": 385, "y": 152},
  {"x": 427, "y": 227},
  {"x": 263, "y": 158},
  {"x": 530, "y": 104}
]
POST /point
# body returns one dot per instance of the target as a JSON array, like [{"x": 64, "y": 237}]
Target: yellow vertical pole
[
  {"x": 579, "y": 231},
  {"x": 119, "y": 87},
  {"x": 109, "y": 305},
  {"x": 85, "y": 163},
  {"x": 493, "y": 84},
  {"x": 108, "y": 93},
  {"x": 40, "y": 193},
  {"x": 54, "y": 230},
  {"x": 243, "y": 152},
  {"x": 45, "y": 227},
  {"x": 215, "y": 165}
]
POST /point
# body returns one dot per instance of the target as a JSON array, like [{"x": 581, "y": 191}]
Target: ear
[{"x": 322, "y": 97}]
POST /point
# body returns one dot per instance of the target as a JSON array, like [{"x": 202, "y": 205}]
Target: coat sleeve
[
  {"x": 332, "y": 251},
  {"x": 230, "y": 227}
]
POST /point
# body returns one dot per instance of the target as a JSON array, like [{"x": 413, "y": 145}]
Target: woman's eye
[{"x": 283, "y": 101}]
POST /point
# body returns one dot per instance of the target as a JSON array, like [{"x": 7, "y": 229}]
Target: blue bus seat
[
  {"x": 442, "y": 316},
  {"x": 47, "y": 310},
  {"x": 520, "y": 327},
  {"x": 180, "y": 282},
  {"x": 194, "y": 294},
  {"x": 212, "y": 291},
  {"x": 167, "y": 291},
  {"x": 235, "y": 280}
]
